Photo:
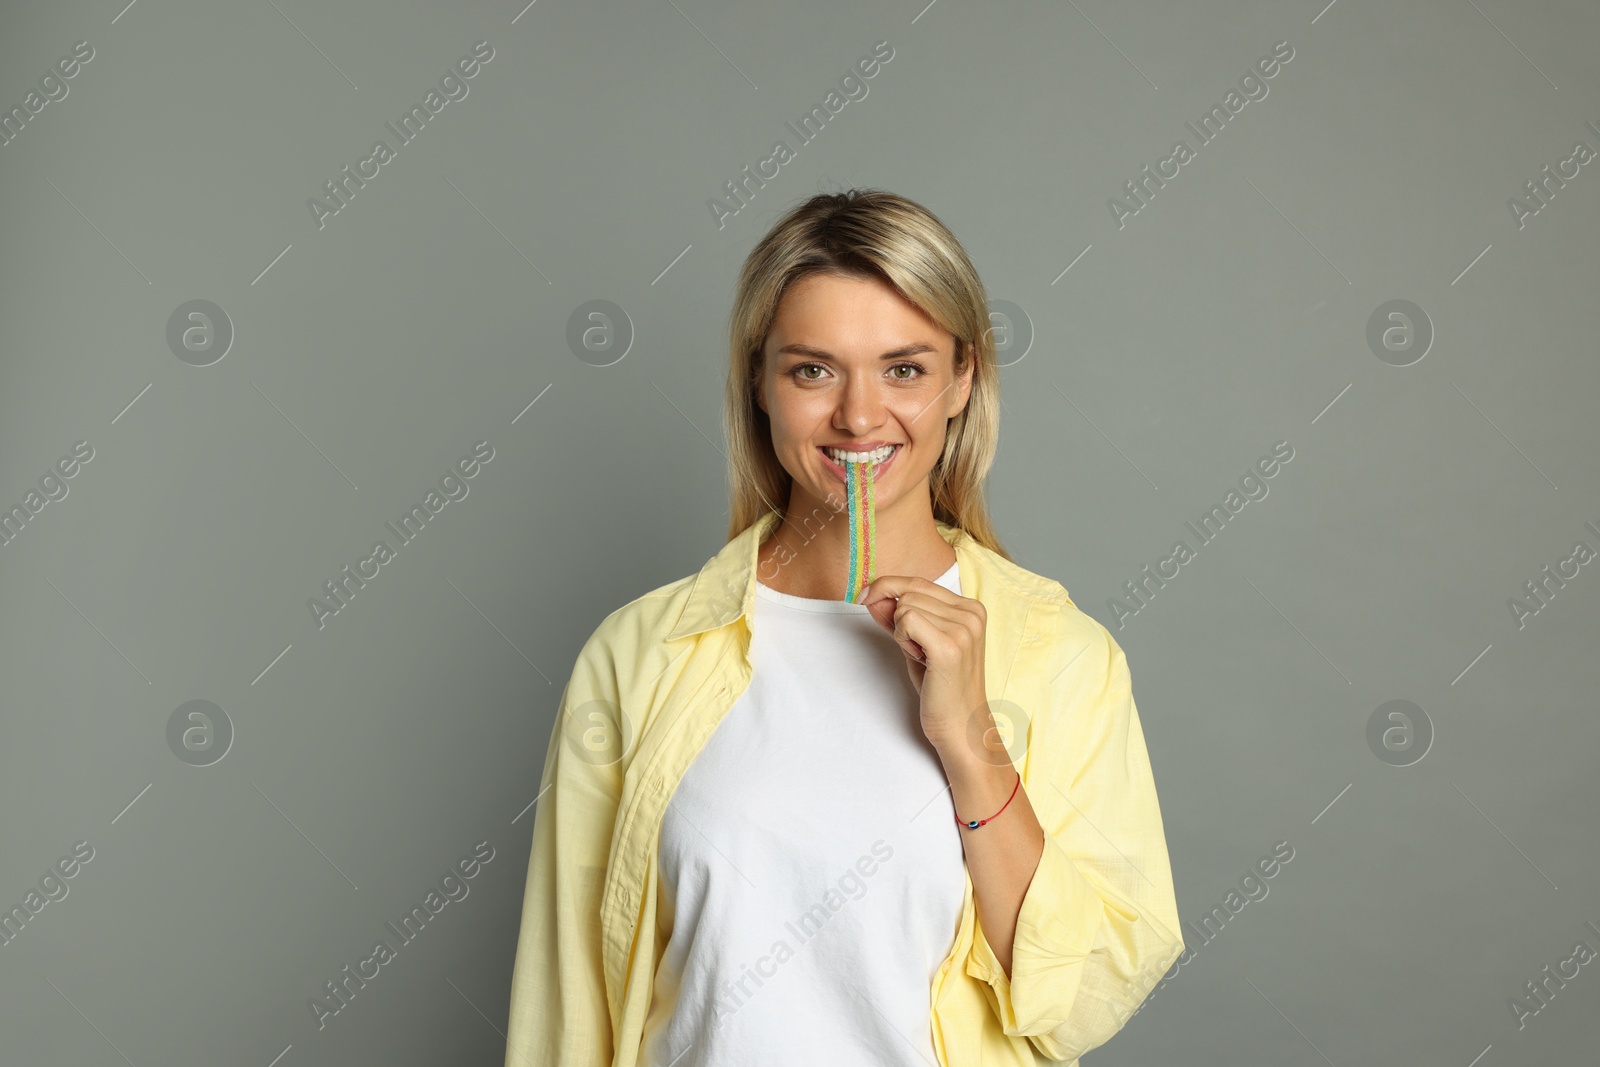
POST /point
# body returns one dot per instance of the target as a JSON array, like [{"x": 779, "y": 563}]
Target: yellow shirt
[{"x": 1098, "y": 925}]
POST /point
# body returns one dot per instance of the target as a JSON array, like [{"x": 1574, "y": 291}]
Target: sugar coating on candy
[{"x": 859, "y": 503}]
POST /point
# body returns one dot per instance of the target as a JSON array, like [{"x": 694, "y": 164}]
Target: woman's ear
[{"x": 963, "y": 389}]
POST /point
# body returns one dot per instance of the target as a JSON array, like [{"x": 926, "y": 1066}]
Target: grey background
[{"x": 370, "y": 355}]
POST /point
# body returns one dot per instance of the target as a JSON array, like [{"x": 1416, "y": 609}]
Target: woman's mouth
[{"x": 880, "y": 458}]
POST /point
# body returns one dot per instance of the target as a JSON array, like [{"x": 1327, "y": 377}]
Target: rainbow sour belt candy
[{"x": 863, "y": 528}]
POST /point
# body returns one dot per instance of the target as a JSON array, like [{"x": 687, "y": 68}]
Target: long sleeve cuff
[
  {"x": 1068, "y": 991},
  {"x": 1057, "y": 925}
]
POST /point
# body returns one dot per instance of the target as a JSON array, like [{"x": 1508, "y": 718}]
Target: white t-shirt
[{"x": 809, "y": 859}]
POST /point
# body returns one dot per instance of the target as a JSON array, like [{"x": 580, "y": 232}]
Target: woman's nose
[{"x": 860, "y": 407}]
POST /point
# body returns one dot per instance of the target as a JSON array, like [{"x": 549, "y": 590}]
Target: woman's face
[{"x": 850, "y": 363}]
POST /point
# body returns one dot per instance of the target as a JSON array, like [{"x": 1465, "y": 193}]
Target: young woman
[{"x": 780, "y": 823}]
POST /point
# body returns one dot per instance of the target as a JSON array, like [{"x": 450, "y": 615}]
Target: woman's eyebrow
[{"x": 912, "y": 349}]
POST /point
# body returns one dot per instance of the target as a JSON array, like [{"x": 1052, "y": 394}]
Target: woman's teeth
[{"x": 874, "y": 457}]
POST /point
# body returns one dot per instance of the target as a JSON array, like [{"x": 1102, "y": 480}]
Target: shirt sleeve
[
  {"x": 559, "y": 1012},
  {"x": 1099, "y": 923}
]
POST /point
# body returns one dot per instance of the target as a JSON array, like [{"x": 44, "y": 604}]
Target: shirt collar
[{"x": 725, "y": 588}]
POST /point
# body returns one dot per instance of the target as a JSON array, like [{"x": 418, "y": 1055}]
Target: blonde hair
[{"x": 867, "y": 233}]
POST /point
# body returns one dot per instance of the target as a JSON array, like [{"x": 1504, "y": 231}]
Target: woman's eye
[{"x": 800, "y": 371}]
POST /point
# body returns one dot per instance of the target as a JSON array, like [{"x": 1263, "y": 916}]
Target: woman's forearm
[{"x": 1001, "y": 855}]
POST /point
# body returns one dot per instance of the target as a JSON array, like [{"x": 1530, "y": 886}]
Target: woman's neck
[{"x": 808, "y": 553}]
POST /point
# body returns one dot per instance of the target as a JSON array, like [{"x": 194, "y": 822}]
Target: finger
[
  {"x": 930, "y": 632},
  {"x": 891, "y": 619},
  {"x": 957, "y": 610},
  {"x": 896, "y": 585},
  {"x": 965, "y": 627}
]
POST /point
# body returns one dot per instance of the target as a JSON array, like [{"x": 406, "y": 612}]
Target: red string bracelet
[{"x": 996, "y": 815}]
